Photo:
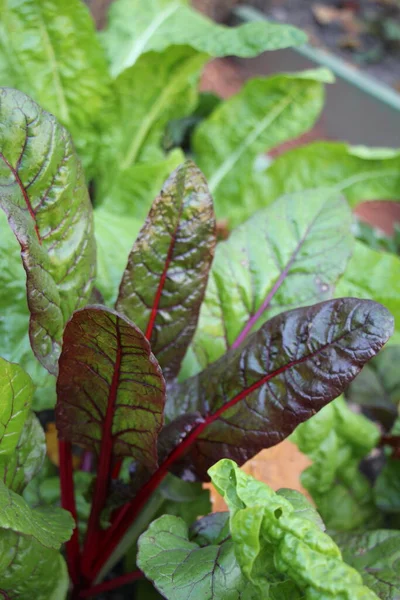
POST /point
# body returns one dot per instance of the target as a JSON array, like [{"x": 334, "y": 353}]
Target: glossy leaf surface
[
  {"x": 270, "y": 536},
  {"x": 110, "y": 388},
  {"x": 265, "y": 113},
  {"x": 137, "y": 27},
  {"x": 43, "y": 193},
  {"x": 376, "y": 555},
  {"x": 16, "y": 390},
  {"x": 288, "y": 255},
  {"x": 164, "y": 283},
  {"x": 257, "y": 394},
  {"x": 30, "y": 563},
  {"x": 50, "y": 51}
]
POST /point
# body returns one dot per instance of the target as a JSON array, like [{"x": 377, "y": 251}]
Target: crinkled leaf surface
[
  {"x": 16, "y": 390},
  {"x": 336, "y": 439},
  {"x": 132, "y": 164},
  {"x": 135, "y": 27},
  {"x": 357, "y": 172},
  {"x": 288, "y": 255},
  {"x": 43, "y": 193},
  {"x": 17, "y": 469},
  {"x": 165, "y": 280},
  {"x": 30, "y": 563},
  {"x": 255, "y": 395},
  {"x": 110, "y": 389},
  {"x": 376, "y": 555},
  {"x": 265, "y": 113},
  {"x": 387, "y": 487},
  {"x": 50, "y": 51},
  {"x": 373, "y": 275},
  {"x": 181, "y": 568},
  {"x": 269, "y": 536}
]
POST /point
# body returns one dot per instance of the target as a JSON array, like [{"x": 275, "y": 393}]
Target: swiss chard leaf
[
  {"x": 374, "y": 275},
  {"x": 271, "y": 538},
  {"x": 29, "y": 542},
  {"x": 43, "y": 193},
  {"x": 288, "y": 255},
  {"x": 387, "y": 487},
  {"x": 16, "y": 390},
  {"x": 256, "y": 395},
  {"x": 135, "y": 27},
  {"x": 164, "y": 283},
  {"x": 265, "y": 113},
  {"x": 50, "y": 51},
  {"x": 110, "y": 389},
  {"x": 376, "y": 555}
]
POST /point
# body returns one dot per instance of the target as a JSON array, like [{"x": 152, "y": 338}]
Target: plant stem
[
  {"x": 68, "y": 503},
  {"x": 112, "y": 585}
]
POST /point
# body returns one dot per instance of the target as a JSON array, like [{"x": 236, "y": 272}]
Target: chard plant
[{"x": 171, "y": 362}]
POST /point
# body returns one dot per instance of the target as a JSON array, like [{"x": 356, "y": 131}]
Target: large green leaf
[
  {"x": 376, "y": 555},
  {"x": 17, "y": 469},
  {"x": 16, "y": 398},
  {"x": 265, "y": 113},
  {"x": 43, "y": 193},
  {"x": 135, "y": 27},
  {"x": 336, "y": 439},
  {"x": 255, "y": 395},
  {"x": 271, "y": 537},
  {"x": 357, "y": 172},
  {"x": 164, "y": 282},
  {"x": 49, "y": 50},
  {"x": 375, "y": 275},
  {"x": 285, "y": 256},
  {"x": 30, "y": 564}
]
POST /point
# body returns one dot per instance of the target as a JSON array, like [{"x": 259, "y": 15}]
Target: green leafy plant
[{"x": 162, "y": 358}]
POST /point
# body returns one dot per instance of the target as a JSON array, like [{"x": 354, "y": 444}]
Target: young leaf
[
  {"x": 16, "y": 397},
  {"x": 164, "y": 283},
  {"x": 288, "y": 255},
  {"x": 110, "y": 389},
  {"x": 50, "y": 51},
  {"x": 373, "y": 275},
  {"x": 357, "y": 172},
  {"x": 136, "y": 27},
  {"x": 270, "y": 536},
  {"x": 265, "y": 113},
  {"x": 30, "y": 563},
  {"x": 180, "y": 567},
  {"x": 44, "y": 196},
  {"x": 387, "y": 488},
  {"x": 17, "y": 469},
  {"x": 376, "y": 556},
  {"x": 257, "y": 394}
]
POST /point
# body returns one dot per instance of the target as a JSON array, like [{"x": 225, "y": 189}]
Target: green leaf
[
  {"x": 288, "y": 255},
  {"x": 357, "y": 172},
  {"x": 43, "y": 194},
  {"x": 269, "y": 536},
  {"x": 110, "y": 389},
  {"x": 302, "y": 507},
  {"x": 135, "y": 27},
  {"x": 17, "y": 469},
  {"x": 185, "y": 499},
  {"x": 165, "y": 280},
  {"x": 50, "y": 51},
  {"x": 29, "y": 544},
  {"x": 336, "y": 440},
  {"x": 373, "y": 275},
  {"x": 387, "y": 487},
  {"x": 255, "y": 395},
  {"x": 376, "y": 555},
  {"x": 146, "y": 97},
  {"x": 16, "y": 397},
  {"x": 264, "y": 114},
  {"x": 179, "y": 567}
]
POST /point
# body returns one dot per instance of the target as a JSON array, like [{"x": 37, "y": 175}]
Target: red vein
[
  {"x": 68, "y": 503},
  {"x": 105, "y": 462},
  {"x": 24, "y": 194},
  {"x": 112, "y": 585}
]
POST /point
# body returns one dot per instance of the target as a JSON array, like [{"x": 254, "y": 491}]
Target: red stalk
[
  {"x": 68, "y": 503},
  {"x": 107, "y": 586},
  {"x": 104, "y": 466}
]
